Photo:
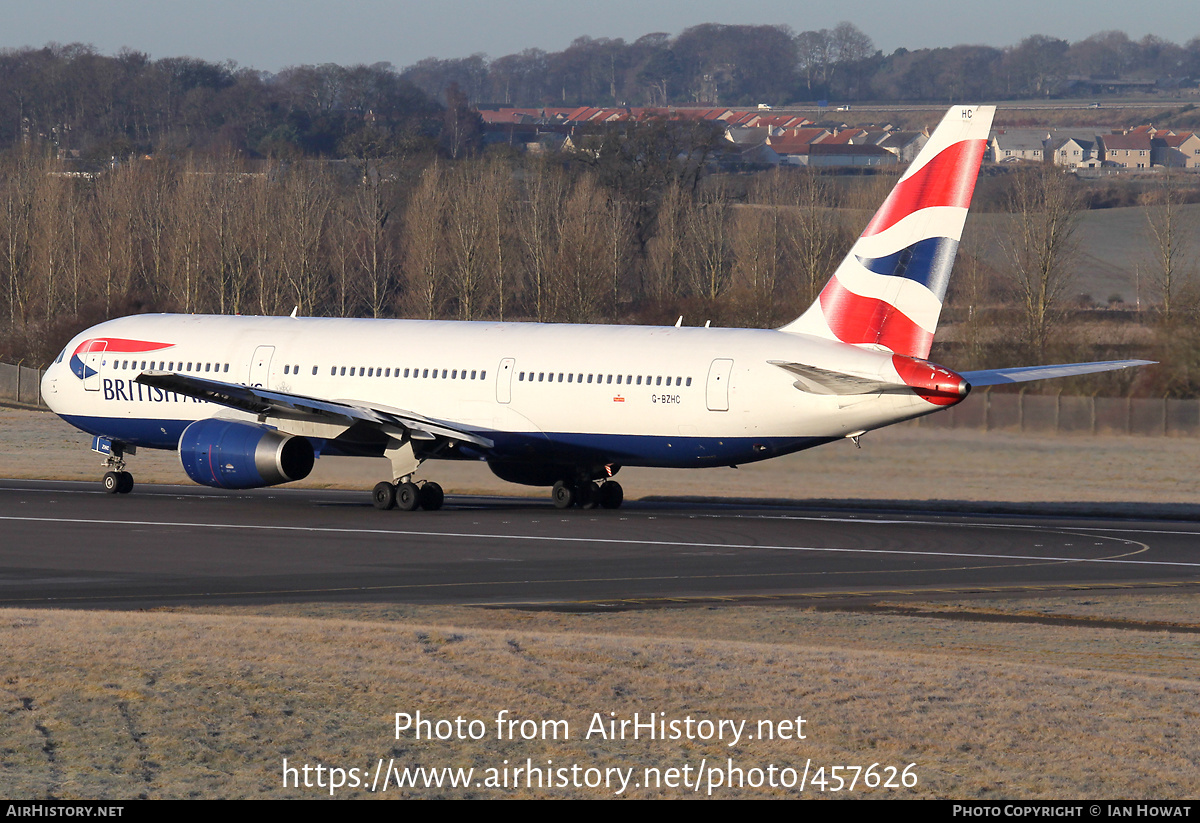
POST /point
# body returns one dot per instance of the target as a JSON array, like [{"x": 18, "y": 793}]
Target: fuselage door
[
  {"x": 504, "y": 380},
  {"x": 260, "y": 367},
  {"x": 93, "y": 359},
  {"x": 718, "y": 384}
]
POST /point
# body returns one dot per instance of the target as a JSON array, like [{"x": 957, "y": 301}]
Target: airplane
[{"x": 253, "y": 401}]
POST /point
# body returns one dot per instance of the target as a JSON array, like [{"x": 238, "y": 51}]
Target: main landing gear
[
  {"x": 587, "y": 494},
  {"x": 408, "y": 496}
]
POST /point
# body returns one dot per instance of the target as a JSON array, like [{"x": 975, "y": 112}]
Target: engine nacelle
[{"x": 233, "y": 454}]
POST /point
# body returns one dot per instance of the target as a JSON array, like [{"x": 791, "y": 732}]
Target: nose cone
[
  {"x": 50, "y": 385},
  {"x": 936, "y": 384}
]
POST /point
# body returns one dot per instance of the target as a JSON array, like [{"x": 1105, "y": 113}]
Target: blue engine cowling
[{"x": 232, "y": 454}]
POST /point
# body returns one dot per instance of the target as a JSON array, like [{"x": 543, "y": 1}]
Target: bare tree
[
  {"x": 708, "y": 253},
  {"x": 18, "y": 183},
  {"x": 467, "y": 240},
  {"x": 580, "y": 276},
  {"x": 370, "y": 210},
  {"x": 114, "y": 217},
  {"x": 498, "y": 202},
  {"x": 303, "y": 214},
  {"x": 539, "y": 226},
  {"x": 666, "y": 248},
  {"x": 424, "y": 254},
  {"x": 817, "y": 238},
  {"x": 1041, "y": 247},
  {"x": 186, "y": 243},
  {"x": 1171, "y": 231}
]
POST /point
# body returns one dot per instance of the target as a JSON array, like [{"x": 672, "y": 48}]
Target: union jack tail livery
[{"x": 888, "y": 292}]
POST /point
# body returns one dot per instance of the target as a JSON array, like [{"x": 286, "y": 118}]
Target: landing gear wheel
[
  {"x": 586, "y": 495},
  {"x": 407, "y": 496},
  {"x": 611, "y": 495},
  {"x": 125, "y": 483},
  {"x": 384, "y": 496},
  {"x": 431, "y": 497},
  {"x": 112, "y": 482},
  {"x": 563, "y": 494}
]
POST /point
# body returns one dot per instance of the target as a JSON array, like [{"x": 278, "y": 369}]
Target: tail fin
[{"x": 889, "y": 290}]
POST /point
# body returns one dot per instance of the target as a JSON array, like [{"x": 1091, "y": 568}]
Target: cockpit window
[{"x": 61, "y": 355}]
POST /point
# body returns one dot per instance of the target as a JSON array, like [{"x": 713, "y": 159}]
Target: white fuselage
[{"x": 631, "y": 395}]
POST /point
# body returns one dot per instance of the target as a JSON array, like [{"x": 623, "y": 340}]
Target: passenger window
[
  {"x": 472, "y": 374},
  {"x": 483, "y": 375},
  {"x": 343, "y": 374},
  {"x": 658, "y": 381},
  {"x": 314, "y": 370},
  {"x": 570, "y": 378},
  {"x": 689, "y": 381}
]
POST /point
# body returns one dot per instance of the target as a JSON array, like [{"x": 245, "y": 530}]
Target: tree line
[
  {"x": 730, "y": 65},
  {"x": 98, "y": 108},
  {"x": 509, "y": 237},
  {"x": 497, "y": 237}
]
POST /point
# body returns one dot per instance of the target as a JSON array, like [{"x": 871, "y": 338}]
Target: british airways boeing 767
[{"x": 252, "y": 401}]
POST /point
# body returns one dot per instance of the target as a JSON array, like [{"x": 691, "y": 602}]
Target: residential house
[
  {"x": 1126, "y": 151},
  {"x": 1176, "y": 150},
  {"x": 1015, "y": 145}
]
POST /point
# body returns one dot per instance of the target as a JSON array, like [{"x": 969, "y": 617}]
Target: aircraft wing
[
  {"x": 298, "y": 407},
  {"x": 996, "y": 377}
]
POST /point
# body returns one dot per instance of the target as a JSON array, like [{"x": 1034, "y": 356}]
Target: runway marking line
[{"x": 593, "y": 540}]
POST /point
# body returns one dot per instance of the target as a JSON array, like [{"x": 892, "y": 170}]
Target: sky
[{"x": 271, "y": 34}]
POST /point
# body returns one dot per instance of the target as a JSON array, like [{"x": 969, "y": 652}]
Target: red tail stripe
[
  {"x": 946, "y": 180},
  {"x": 856, "y": 319}
]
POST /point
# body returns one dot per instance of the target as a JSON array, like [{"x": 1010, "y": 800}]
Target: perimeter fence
[
  {"x": 1068, "y": 414},
  {"x": 20, "y": 384}
]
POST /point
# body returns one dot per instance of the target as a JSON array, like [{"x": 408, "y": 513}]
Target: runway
[{"x": 70, "y": 545}]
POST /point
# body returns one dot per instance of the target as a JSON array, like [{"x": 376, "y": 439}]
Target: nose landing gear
[{"x": 116, "y": 479}]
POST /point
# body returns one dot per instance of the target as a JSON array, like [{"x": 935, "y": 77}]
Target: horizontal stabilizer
[
  {"x": 823, "y": 381},
  {"x": 998, "y": 377}
]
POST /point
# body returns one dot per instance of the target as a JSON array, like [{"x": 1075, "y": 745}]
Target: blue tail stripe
[{"x": 927, "y": 262}]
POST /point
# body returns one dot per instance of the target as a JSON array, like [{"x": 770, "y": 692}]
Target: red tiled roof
[{"x": 1122, "y": 142}]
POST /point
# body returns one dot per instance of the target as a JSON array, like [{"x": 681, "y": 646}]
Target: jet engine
[{"x": 233, "y": 454}]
